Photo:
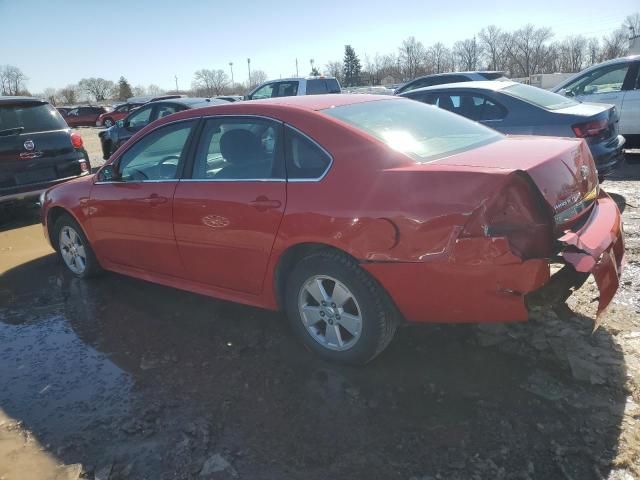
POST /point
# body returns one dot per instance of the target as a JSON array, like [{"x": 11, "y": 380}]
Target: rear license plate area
[{"x": 35, "y": 176}]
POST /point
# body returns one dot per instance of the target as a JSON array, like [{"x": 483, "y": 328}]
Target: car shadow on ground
[
  {"x": 149, "y": 381},
  {"x": 19, "y": 214}
]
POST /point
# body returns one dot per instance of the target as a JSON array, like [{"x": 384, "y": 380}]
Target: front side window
[
  {"x": 240, "y": 148},
  {"x": 265, "y": 91},
  {"x": 602, "y": 80},
  {"x": 418, "y": 130},
  {"x": 157, "y": 155},
  {"x": 140, "y": 118},
  {"x": 305, "y": 159}
]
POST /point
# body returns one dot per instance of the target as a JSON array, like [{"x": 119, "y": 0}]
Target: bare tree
[
  {"x": 615, "y": 44},
  {"x": 411, "y": 56},
  {"x": 210, "y": 82},
  {"x": 632, "y": 24},
  {"x": 139, "y": 91},
  {"x": 154, "y": 90},
  {"x": 69, "y": 94},
  {"x": 334, "y": 69},
  {"x": 526, "y": 49},
  {"x": 468, "y": 53},
  {"x": 98, "y": 88},
  {"x": 51, "y": 96},
  {"x": 440, "y": 56},
  {"x": 572, "y": 52},
  {"x": 492, "y": 40},
  {"x": 257, "y": 77},
  {"x": 593, "y": 51},
  {"x": 12, "y": 80}
]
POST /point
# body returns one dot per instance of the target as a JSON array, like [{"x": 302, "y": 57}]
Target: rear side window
[
  {"x": 305, "y": 159},
  {"x": 286, "y": 89},
  {"x": 322, "y": 85},
  {"x": 473, "y": 106},
  {"x": 29, "y": 118}
]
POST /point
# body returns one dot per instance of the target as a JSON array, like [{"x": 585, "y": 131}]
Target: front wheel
[
  {"x": 108, "y": 122},
  {"x": 74, "y": 248},
  {"x": 338, "y": 310}
]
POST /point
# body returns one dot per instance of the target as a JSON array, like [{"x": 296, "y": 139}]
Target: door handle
[
  {"x": 155, "y": 199},
  {"x": 262, "y": 203}
]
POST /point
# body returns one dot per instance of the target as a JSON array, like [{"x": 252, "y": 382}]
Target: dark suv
[{"x": 37, "y": 148}]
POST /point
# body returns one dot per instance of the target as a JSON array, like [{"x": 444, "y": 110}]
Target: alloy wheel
[
  {"x": 72, "y": 250},
  {"x": 330, "y": 312}
]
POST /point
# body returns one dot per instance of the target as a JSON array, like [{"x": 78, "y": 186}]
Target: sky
[{"x": 58, "y": 42}]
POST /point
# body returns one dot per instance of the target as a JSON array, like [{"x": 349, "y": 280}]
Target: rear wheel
[
  {"x": 108, "y": 122},
  {"x": 74, "y": 248},
  {"x": 338, "y": 310}
]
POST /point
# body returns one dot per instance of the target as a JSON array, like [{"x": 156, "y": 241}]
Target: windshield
[
  {"x": 539, "y": 97},
  {"x": 30, "y": 117},
  {"x": 423, "y": 132}
]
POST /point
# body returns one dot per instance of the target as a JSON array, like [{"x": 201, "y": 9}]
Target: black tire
[
  {"x": 91, "y": 265},
  {"x": 379, "y": 317}
]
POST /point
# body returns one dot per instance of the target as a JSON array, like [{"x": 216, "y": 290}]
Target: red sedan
[{"x": 352, "y": 213}]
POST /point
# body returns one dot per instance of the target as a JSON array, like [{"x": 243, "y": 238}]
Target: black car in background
[
  {"x": 123, "y": 130},
  {"x": 37, "y": 148}
]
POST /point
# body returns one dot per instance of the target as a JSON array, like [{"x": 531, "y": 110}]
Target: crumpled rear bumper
[{"x": 597, "y": 247}]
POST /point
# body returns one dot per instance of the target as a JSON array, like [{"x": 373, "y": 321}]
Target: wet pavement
[{"x": 116, "y": 378}]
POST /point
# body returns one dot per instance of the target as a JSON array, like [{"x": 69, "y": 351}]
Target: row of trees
[
  {"x": 209, "y": 83},
  {"x": 99, "y": 90},
  {"x": 12, "y": 81},
  {"x": 520, "y": 53}
]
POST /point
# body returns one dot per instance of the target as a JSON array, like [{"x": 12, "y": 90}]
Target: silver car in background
[{"x": 615, "y": 82}]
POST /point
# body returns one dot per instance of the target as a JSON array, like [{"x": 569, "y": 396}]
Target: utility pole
[
  {"x": 297, "y": 74},
  {"x": 249, "y": 69},
  {"x": 311, "y": 62},
  {"x": 231, "y": 65},
  {"x": 177, "y": 89}
]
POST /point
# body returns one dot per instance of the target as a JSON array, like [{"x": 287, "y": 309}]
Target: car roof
[
  {"x": 448, "y": 74},
  {"x": 8, "y": 99},
  {"x": 493, "y": 85},
  {"x": 315, "y": 102},
  {"x": 190, "y": 101}
]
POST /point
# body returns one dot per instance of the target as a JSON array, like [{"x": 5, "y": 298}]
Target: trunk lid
[{"x": 562, "y": 169}]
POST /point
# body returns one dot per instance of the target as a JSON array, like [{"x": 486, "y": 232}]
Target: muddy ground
[{"x": 117, "y": 378}]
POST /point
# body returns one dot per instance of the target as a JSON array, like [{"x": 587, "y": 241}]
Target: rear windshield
[
  {"x": 492, "y": 75},
  {"x": 322, "y": 85},
  {"x": 29, "y": 118},
  {"x": 539, "y": 97},
  {"x": 424, "y": 132}
]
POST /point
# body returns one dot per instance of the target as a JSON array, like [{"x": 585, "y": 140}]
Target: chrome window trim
[
  {"x": 137, "y": 181},
  {"x": 326, "y": 170}
]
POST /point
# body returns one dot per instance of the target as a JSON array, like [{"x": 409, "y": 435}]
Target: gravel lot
[{"x": 122, "y": 379}]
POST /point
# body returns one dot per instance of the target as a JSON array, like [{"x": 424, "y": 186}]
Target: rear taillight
[
  {"x": 76, "y": 140},
  {"x": 591, "y": 129},
  {"x": 518, "y": 214}
]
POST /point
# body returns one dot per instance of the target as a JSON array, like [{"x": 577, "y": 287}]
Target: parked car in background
[
  {"x": 123, "y": 130},
  {"x": 293, "y": 204},
  {"x": 37, "y": 148},
  {"x": 291, "y": 87},
  {"x": 519, "y": 109},
  {"x": 64, "y": 110},
  {"x": 451, "y": 77},
  {"x": 230, "y": 98},
  {"x": 615, "y": 82},
  {"x": 84, "y": 116},
  {"x": 107, "y": 119}
]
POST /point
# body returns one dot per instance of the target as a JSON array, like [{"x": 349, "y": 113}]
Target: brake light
[
  {"x": 76, "y": 140},
  {"x": 591, "y": 129},
  {"x": 517, "y": 214}
]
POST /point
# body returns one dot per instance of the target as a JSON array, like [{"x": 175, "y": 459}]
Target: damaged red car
[{"x": 352, "y": 213}]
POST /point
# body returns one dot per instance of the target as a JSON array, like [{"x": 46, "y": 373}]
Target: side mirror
[
  {"x": 108, "y": 173},
  {"x": 120, "y": 123}
]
